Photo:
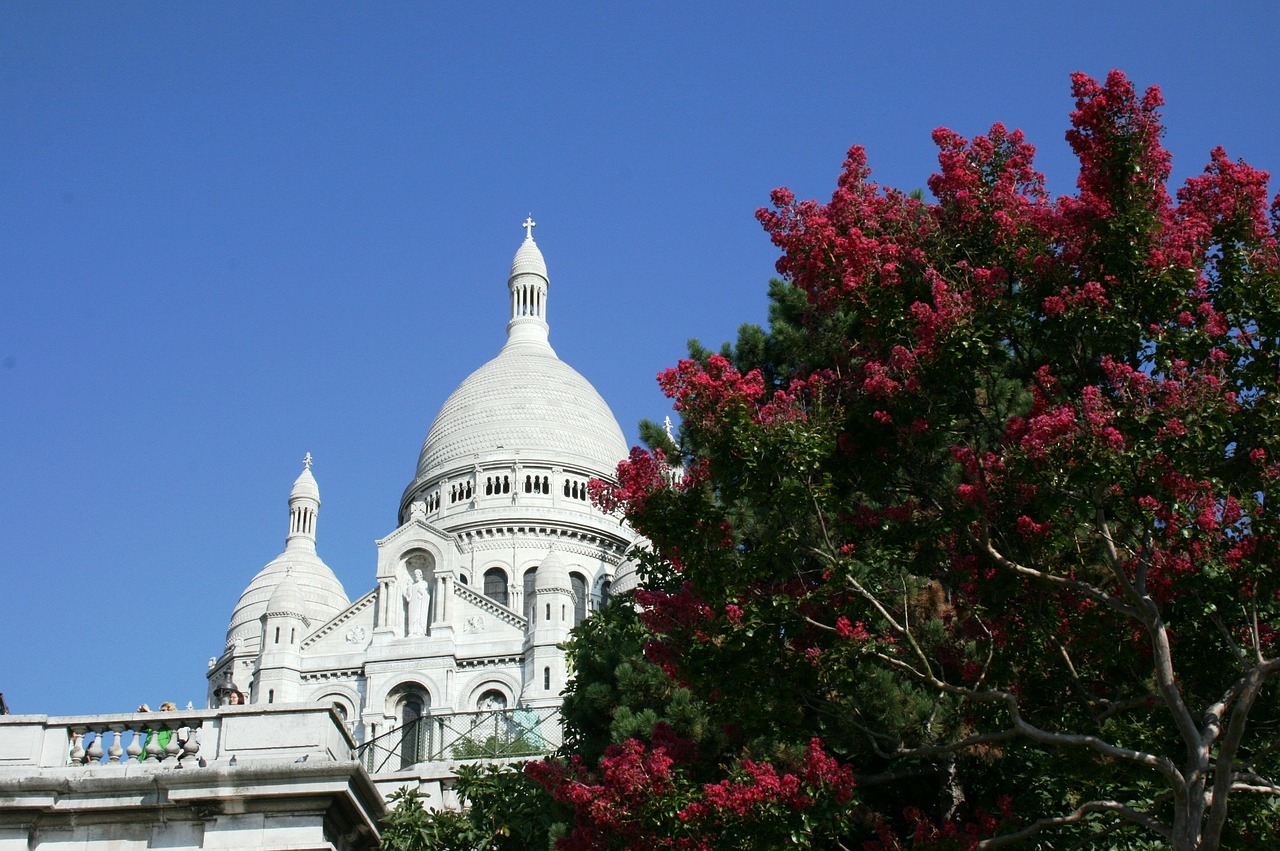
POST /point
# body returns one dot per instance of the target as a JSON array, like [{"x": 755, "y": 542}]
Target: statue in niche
[{"x": 418, "y": 599}]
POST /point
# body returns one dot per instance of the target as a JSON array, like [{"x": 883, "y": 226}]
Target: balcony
[{"x": 269, "y": 777}]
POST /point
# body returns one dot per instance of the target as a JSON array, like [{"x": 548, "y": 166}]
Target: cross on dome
[
  {"x": 529, "y": 225},
  {"x": 306, "y": 462}
]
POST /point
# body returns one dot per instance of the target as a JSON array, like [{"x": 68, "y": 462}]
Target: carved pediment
[{"x": 491, "y": 607}]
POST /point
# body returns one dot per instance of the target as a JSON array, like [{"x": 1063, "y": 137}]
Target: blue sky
[{"x": 234, "y": 233}]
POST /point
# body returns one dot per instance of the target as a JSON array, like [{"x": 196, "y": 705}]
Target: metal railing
[{"x": 489, "y": 734}]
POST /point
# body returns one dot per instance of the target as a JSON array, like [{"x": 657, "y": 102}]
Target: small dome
[
  {"x": 528, "y": 260},
  {"x": 305, "y": 486},
  {"x": 322, "y": 595},
  {"x": 287, "y": 598},
  {"x": 553, "y": 574}
]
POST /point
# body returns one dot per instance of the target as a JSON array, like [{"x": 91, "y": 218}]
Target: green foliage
[
  {"x": 655, "y": 436},
  {"x": 616, "y": 694},
  {"x": 503, "y": 811},
  {"x": 409, "y": 826},
  {"x": 496, "y": 747}
]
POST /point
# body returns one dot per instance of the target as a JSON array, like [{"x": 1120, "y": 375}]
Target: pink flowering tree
[{"x": 998, "y": 524}]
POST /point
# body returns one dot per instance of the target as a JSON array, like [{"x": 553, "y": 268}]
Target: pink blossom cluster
[{"x": 625, "y": 802}]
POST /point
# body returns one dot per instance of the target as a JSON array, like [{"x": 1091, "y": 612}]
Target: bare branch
[
  {"x": 958, "y": 745},
  {"x": 1251, "y": 787},
  {"x": 1115, "y": 707},
  {"x": 1230, "y": 639},
  {"x": 1082, "y": 588},
  {"x": 1124, "y": 812},
  {"x": 1113, "y": 559},
  {"x": 1167, "y": 684},
  {"x": 1255, "y": 635},
  {"x": 893, "y": 624},
  {"x": 1163, "y": 765},
  {"x": 1247, "y": 691}
]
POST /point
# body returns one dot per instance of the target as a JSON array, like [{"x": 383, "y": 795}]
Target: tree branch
[
  {"x": 1075, "y": 585},
  {"x": 1127, "y": 813},
  {"x": 1023, "y": 727},
  {"x": 1247, "y": 690}
]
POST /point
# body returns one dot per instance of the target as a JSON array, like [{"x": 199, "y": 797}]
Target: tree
[
  {"x": 998, "y": 523},
  {"x": 503, "y": 810}
]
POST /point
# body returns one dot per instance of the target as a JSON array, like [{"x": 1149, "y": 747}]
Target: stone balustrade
[
  {"x": 155, "y": 738},
  {"x": 278, "y": 778},
  {"x": 173, "y": 739}
]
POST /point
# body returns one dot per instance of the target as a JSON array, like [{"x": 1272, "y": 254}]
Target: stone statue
[{"x": 418, "y": 596}]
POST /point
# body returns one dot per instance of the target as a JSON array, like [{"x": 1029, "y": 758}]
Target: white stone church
[
  {"x": 497, "y": 554},
  {"x": 319, "y": 705}
]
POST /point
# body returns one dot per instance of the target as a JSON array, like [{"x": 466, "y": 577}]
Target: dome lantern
[
  {"x": 304, "y": 506},
  {"x": 528, "y": 284},
  {"x": 524, "y": 406}
]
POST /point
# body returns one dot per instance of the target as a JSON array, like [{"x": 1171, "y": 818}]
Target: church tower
[{"x": 551, "y": 616}]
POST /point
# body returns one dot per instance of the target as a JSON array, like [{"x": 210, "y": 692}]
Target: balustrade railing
[
  {"x": 155, "y": 739},
  {"x": 490, "y": 734}
]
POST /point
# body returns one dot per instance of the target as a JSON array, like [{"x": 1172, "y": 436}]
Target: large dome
[
  {"x": 528, "y": 404},
  {"x": 525, "y": 405}
]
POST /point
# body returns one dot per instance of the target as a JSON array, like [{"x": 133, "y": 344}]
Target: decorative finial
[
  {"x": 667, "y": 425},
  {"x": 529, "y": 225},
  {"x": 306, "y": 462}
]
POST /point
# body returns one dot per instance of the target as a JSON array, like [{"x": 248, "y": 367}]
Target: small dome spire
[
  {"x": 528, "y": 284},
  {"x": 304, "y": 505},
  {"x": 528, "y": 259},
  {"x": 305, "y": 486}
]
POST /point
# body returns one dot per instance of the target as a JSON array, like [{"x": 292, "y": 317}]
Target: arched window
[
  {"x": 605, "y": 586},
  {"x": 492, "y": 699},
  {"x": 528, "y": 484},
  {"x": 530, "y": 581},
  {"x": 495, "y": 584},
  {"x": 546, "y": 679},
  {"x": 412, "y": 731},
  {"x": 578, "y": 583}
]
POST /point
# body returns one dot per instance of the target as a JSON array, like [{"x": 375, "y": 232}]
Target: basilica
[
  {"x": 496, "y": 554},
  {"x": 320, "y": 706}
]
